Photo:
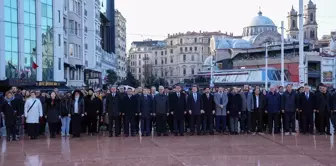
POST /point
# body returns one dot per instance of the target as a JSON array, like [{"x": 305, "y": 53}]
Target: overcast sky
[{"x": 156, "y": 18}]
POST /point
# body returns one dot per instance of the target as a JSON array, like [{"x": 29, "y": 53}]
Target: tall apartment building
[
  {"x": 120, "y": 44},
  {"x": 178, "y": 57},
  {"x": 31, "y": 41}
]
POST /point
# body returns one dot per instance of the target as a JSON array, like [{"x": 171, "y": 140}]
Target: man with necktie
[
  {"x": 289, "y": 109},
  {"x": 112, "y": 107},
  {"x": 195, "y": 110},
  {"x": 306, "y": 109},
  {"x": 129, "y": 111},
  {"x": 221, "y": 100},
  {"x": 145, "y": 111},
  {"x": 209, "y": 109},
  {"x": 178, "y": 110},
  {"x": 323, "y": 107}
]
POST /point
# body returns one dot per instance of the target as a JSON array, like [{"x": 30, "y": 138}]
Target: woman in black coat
[
  {"x": 53, "y": 109},
  {"x": 10, "y": 109}
]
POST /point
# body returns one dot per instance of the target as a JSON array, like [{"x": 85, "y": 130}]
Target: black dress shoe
[
  {"x": 212, "y": 133},
  {"x": 182, "y": 134},
  {"x": 110, "y": 135},
  {"x": 117, "y": 135},
  {"x": 176, "y": 134},
  {"x": 328, "y": 133},
  {"x": 166, "y": 134}
]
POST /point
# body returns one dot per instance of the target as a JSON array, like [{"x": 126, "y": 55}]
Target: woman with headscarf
[
  {"x": 33, "y": 111},
  {"x": 10, "y": 110},
  {"x": 53, "y": 113},
  {"x": 77, "y": 113}
]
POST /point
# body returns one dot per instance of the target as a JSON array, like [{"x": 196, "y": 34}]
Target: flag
[
  {"x": 34, "y": 66},
  {"x": 11, "y": 66}
]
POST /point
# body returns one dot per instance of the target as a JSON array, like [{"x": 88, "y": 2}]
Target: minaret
[
  {"x": 292, "y": 30},
  {"x": 310, "y": 24}
]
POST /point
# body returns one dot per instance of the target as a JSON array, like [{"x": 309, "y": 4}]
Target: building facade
[
  {"x": 31, "y": 40},
  {"x": 120, "y": 44}
]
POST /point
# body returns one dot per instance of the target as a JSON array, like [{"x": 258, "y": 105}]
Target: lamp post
[
  {"x": 282, "y": 55},
  {"x": 301, "y": 53},
  {"x": 266, "y": 66},
  {"x": 211, "y": 72}
]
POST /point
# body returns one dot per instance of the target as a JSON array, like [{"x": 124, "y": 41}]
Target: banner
[{"x": 327, "y": 70}]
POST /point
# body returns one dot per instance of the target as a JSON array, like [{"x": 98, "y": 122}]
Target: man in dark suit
[
  {"x": 195, "y": 110},
  {"x": 306, "y": 109},
  {"x": 258, "y": 113},
  {"x": 145, "y": 111},
  {"x": 130, "y": 109},
  {"x": 178, "y": 107},
  {"x": 323, "y": 108},
  {"x": 138, "y": 95},
  {"x": 161, "y": 107},
  {"x": 209, "y": 109},
  {"x": 112, "y": 108}
]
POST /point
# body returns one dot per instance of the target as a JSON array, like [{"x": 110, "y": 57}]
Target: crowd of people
[{"x": 247, "y": 110}]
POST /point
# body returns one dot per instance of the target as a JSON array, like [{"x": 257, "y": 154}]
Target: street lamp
[
  {"x": 211, "y": 71},
  {"x": 266, "y": 65}
]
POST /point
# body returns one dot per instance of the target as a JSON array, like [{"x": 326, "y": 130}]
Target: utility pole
[
  {"x": 266, "y": 66},
  {"x": 301, "y": 52},
  {"x": 282, "y": 55}
]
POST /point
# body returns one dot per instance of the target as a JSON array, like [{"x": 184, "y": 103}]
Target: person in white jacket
[{"x": 33, "y": 111}]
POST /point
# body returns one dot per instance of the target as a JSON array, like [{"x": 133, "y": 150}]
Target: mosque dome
[
  {"x": 223, "y": 44},
  {"x": 208, "y": 61},
  {"x": 261, "y": 20}
]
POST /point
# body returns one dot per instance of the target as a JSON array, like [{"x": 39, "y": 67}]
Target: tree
[
  {"x": 160, "y": 81},
  {"x": 130, "y": 80},
  {"x": 149, "y": 81},
  {"x": 111, "y": 77}
]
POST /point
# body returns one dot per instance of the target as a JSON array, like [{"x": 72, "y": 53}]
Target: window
[
  {"x": 195, "y": 48},
  {"x": 186, "y": 49},
  {"x": 59, "y": 64},
  {"x": 184, "y": 71},
  {"x": 139, "y": 56},
  {"x": 71, "y": 50},
  {"x": 59, "y": 16},
  {"x": 192, "y": 58},
  {"x": 76, "y": 26},
  {"x": 192, "y": 71},
  {"x": 161, "y": 52},
  {"x": 181, "y": 49},
  {"x": 155, "y": 52},
  {"x": 171, "y": 42},
  {"x": 59, "y": 39},
  {"x": 190, "y": 48},
  {"x": 165, "y": 52},
  {"x": 195, "y": 40},
  {"x": 165, "y": 60},
  {"x": 293, "y": 24},
  {"x": 171, "y": 72},
  {"x": 171, "y": 51},
  {"x": 155, "y": 61},
  {"x": 171, "y": 60},
  {"x": 311, "y": 17},
  {"x": 184, "y": 57},
  {"x": 65, "y": 48},
  {"x": 139, "y": 63},
  {"x": 139, "y": 70},
  {"x": 72, "y": 26},
  {"x": 181, "y": 41}
]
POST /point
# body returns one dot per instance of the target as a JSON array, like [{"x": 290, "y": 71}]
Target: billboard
[{"x": 328, "y": 70}]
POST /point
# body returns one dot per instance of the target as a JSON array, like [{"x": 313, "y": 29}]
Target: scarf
[{"x": 9, "y": 100}]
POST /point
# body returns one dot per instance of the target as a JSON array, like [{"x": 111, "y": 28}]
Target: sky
[{"x": 155, "y": 19}]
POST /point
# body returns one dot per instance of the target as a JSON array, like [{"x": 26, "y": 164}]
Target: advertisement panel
[{"x": 327, "y": 70}]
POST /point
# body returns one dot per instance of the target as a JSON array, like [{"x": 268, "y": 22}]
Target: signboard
[
  {"x": 48, "y": 83},
  {"x": 327, "y": 70}
]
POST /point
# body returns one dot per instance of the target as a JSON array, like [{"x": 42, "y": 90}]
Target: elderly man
[
  {"x": 289, "y": 109},
  {"x": 112, "y": 107},
  {"x": 195, "y": 105},
  {"x": 306, "y": 109},
  {"x": 221, "y": 101},
  {"x": 161, "y": 108},
  {"x": 247, "y": 108}
]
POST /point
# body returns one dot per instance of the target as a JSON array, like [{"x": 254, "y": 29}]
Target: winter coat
[
  {"x": 53, "y": 110},
  {"x": 10, "y": 110},
  {"x": 33, "y": 115}
]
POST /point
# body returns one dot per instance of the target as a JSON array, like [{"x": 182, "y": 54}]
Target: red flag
[{"x": 34, "y": 66}]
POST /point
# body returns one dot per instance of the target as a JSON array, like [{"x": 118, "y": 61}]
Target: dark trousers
[
  {"x": 333, "y": 120},
  {"x": 11, "y": 131},
  {"x": 257, "y": 120},
  {"x": 195, "y": 120},
  {"x": 116, "y": 121},
  {"x": 289, "y": 121},
  {"x": 273, "y": 117},
  {"x": 179, "y": 124},
  {"x": 265, "y": 121},
  {"x": 307, "y": 122},
  {"x": 187, "y": 121},
  {"x": 136, "y": 123},
  {"x": 53, "y": 127},
  {"x": 298, "y": 117},
  {"x": 92, "y": 123},
  {"x": 129, "y": 121},
  {"x": 209, "y": 122},
  {"x": 76, "y": 125},
  {"x": 245, "y": 121},
  {"x": 281, "y": 121},
  {"x": 324, "y": 121},
  {"x": 161, "y": 122},
  {"x": 145, "y": 125},
  {"x": 220, "y": 123},
  {"x": 84, "y": 124},
  {"x": 33, "y": 129},
  {"x": 233, "y": 124},
  {"x": 317, "y": 122},
  {"x": 170, "y": 121},
  {"x": 228, "y": 124}
]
